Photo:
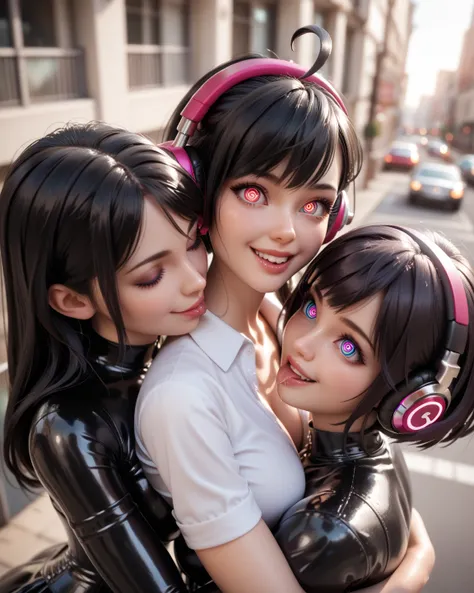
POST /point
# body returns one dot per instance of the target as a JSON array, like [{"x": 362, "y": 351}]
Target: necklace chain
[{"x": 306, "y": 450}]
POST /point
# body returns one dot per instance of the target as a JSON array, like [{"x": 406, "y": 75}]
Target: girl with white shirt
[{"x": 277, "y": 152}]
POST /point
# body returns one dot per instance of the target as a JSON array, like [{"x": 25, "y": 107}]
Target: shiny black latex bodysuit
[
  {"x": 83, "y": 451},
  {"x": 352, "y": 527}
]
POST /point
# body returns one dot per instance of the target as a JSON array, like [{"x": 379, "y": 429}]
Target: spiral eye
[
  {"x": 309, "y": 208},
  {"x": 251, "y": 194},
  {"x": 348, "y": 349},
  {"x": 310, "y": 310}
]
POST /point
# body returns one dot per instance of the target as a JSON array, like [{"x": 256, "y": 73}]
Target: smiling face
[
  {"x": 265, "y": 232},
  {"x": 328, "y": 359},
  {"x": 161, "y": 285}
]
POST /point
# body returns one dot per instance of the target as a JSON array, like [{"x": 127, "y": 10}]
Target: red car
[{"x": 402, "y": 155}]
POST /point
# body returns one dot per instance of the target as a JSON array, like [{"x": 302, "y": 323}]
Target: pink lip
[
  {"x": 274, "y": 253},
  {"x": 198, "y": 309},
  {"x": 271, "y": 267},
  {"x": 286, "y": 376}
]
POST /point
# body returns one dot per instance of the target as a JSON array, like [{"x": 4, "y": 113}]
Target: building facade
[
  {"x": 463, "y": 111},
  {"x": 128, "y": 62}
]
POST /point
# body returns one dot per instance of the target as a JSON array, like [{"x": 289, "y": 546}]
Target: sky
[{"x": 436, "y": 43}]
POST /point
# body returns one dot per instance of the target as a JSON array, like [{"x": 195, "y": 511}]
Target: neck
[
  {"x": 233, "y": 301},
  {"x": 337, "y": 422}
]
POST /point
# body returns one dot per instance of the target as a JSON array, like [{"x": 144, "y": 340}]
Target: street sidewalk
[{"x": 38, "y": 526}]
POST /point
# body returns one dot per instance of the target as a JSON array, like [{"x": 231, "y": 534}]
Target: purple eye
[
  {"x": 310, "y": 310},
  {"x": 348, "y": 348}
]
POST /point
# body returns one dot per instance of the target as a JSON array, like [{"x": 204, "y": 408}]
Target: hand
[{"x": 414, "y": 571}]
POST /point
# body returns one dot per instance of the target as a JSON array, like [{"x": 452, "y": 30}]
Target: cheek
[
  {"x": 310, "y": 237},
  {"x": 141, "y": 306},
  {"x": 234, "y": 221},
  {"x": 199, "y": 261}
]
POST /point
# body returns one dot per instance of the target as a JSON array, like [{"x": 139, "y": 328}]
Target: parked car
[
  {"x": 438, "y": 149},
  {"x": 466, "y": 164},
  {"x": 438, "y": 183},
  {"x": 402, "y": 155}
]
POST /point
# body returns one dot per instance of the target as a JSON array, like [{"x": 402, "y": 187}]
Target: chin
[{"x": 293, "y": 398}]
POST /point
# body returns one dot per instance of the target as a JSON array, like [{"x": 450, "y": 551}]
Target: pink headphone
[
  {"x": 203, "y": 99},
  {"x": 426, "y": 396}
]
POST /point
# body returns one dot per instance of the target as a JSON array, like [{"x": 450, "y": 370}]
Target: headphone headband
[
  {"x": 456, "y": 300},
  {"x": 203, "y": 99}
]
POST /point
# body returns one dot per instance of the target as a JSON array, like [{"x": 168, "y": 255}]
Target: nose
[
  {"x": 305, "y": 346},
  {"x": 193, "y": 282},
  {"x": 283, "y": 230}
]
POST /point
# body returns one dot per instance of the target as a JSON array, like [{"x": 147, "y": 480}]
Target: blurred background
[{"x": 406, "y": 70}]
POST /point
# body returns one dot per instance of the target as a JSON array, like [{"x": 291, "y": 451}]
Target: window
[
  {"x": 254, "y": 26},
  {"x": 37, "y": 59},
  {"x": 158, "y": 42},
  {"x": 5, "y": 26},
  {"x": 38, "y": 25}
]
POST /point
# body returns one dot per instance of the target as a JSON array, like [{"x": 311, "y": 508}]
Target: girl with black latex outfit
[
  {"x": 377, "y": 347},
  {"x": 101, "y": 254}
]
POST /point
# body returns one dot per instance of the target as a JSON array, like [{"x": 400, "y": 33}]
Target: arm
[
  {"x": 414, "y": 571},
  {"x": 252, "y": 563},
  {"x": 185, "y": 434},
  {"x": 75, "y": 456}
]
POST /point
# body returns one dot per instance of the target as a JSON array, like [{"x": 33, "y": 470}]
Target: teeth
[
  {"x": 272, "y": 258},
  {"x": 299, "y": 374}
]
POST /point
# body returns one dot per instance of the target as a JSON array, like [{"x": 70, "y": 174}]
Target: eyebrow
[
  {"x": 358, "y": 330},
  {"x": 277, "y": 180},
  {"x": 147, "y": 260},
  {"x": 316, "y": 292}
]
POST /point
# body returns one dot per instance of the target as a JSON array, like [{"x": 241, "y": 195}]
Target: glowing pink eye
[
  {"x": 251, "y": 194},
  {"x": 311, "y": 310},
  {"x": 348, "y": 349},
  {"x": 309, "y": 208}
]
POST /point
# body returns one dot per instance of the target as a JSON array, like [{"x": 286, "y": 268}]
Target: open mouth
[
  {"x": 290, "y": 374},
  {"x": 273, "y": 262},
  {"x": 300, "y": 375}
]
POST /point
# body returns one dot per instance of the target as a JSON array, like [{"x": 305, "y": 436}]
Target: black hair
[
  {"x": 71, "y": 211},
  {"x": 411, "y": 325},
  {"x": 264, "y": 121}
]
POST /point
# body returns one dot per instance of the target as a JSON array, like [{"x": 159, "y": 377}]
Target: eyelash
[
  {"x": 324, "y": 202},
  {"x": 247, "y": 185},
  {"x": 360, "y": 354},
  {"x": 153, "y": 282}
]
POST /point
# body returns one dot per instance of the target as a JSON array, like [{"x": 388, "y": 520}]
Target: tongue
[{"x": 285, "y": 373}]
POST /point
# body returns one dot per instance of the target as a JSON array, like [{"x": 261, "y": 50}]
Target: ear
[{"x": 70, "y": 303}]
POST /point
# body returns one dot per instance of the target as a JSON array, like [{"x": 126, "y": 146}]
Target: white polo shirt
[{"x": 209, "y": 443}]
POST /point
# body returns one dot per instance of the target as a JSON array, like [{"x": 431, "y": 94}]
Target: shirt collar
[{"x": 218, "y": 340}]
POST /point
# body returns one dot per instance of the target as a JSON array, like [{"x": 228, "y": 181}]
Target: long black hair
[
  {"x": 411, "y": 326},
  {"x": 70, "y": 211}
]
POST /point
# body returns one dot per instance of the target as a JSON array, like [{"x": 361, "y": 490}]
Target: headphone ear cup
[
  {"x": 338, "y": 216},
  {"x": 395, "y": 399},
  {"x": 197, "y": 166}
]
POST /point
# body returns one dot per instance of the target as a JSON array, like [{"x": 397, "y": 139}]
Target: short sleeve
[{"x": 184, "y": 432}]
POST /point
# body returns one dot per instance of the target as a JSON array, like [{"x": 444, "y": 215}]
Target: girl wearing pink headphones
[
  {"x": 274, "y": 150},
  {"x": 376, "y": 340}
]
